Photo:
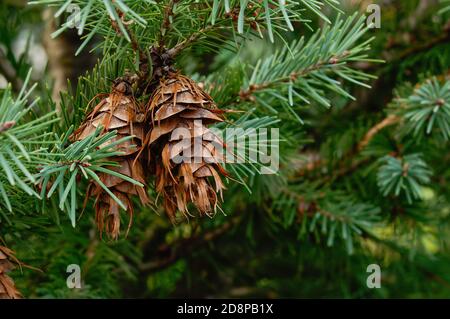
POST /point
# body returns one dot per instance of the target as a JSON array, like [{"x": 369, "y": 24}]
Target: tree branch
[
  {"x": 390, "y": 120},
  {"x": 6, "y": 126},
  {"x": 134, "y": 43},
  {"x": 183, "y": 247},
  {"x": 442, "y": 38},
  {"x": 188, "y": 41},
  {"x": 247, "y": 94},
  {"x": 165, "y": 25}
]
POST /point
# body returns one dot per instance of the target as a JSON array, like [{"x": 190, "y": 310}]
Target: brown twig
[
  {"x": 442, "y": 38},
  {"x": 6, "y": 126},
  {"x": 316, "y": 165},
  {"x": 192, "y": 38},
  {"x": 144, "y": 70},
  {"x": 163, "y": 59},
  {"x": 165, "y": 25},
  {"x": 410, "y": 51},
  {"x": 248, "y": 93},
  {"x": 134, "y": 43},
  {"x": 91, "y": 250},
  {"x": 312, "y": 207}
]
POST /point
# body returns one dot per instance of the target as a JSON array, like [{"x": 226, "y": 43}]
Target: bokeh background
[{"x": 258, "y": 249}]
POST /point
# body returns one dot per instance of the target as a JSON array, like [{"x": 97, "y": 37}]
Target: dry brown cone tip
[
  {"x": 117, "y": 111},
  {"x": 179, "y": 106},
  {"x": 8, "y": 262}
]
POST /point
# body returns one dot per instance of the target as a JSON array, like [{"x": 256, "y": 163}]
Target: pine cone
[
  {"x": 7, "y": 263},
  {"x": 179, "y": 103},
  {"x": 119, "y": 111}
]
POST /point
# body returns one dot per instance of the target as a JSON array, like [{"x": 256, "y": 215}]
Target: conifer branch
[
  {"x": 191, "y": 39},
  {"x": 359, "y": 171},
  {"x": 318, "y": 164},
  {"x": 6, "y": 126},
  {"x": 165, "y": 24},
  {"x": 125, "y": 31}
]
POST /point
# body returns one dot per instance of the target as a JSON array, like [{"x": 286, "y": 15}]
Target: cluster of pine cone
[{"x": 177, "y": 103}]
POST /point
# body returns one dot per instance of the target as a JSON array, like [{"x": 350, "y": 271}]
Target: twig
[
  {"x": 248, "y": 93},
  {"x": 144, "y": 69},
  {"x": 411, "y": 51},
  {"x": 403, "y": 251},
  {"x": 134, "y": 43},
  {"x": 347, "y": 169},
  {"x": 318, "y": 164},
  {"x": 10, "y": 74},
  {"x": 443, "y": 38},
  {"x": 6, "y": 126},
  {"x": 192, "y": 38},
  {"x": 390, "y": 120},
  {"x": 168, "y": 12},
  {"x": 311, "y": 208}
]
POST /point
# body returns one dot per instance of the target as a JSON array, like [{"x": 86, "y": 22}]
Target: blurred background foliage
[{"x": 357, "y": 186}]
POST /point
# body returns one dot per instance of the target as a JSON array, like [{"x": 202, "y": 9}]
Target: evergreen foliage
[{"x": 364, "y": 122}]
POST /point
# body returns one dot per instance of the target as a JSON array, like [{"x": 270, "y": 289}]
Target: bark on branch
[{"x": 10, "y": 74}]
